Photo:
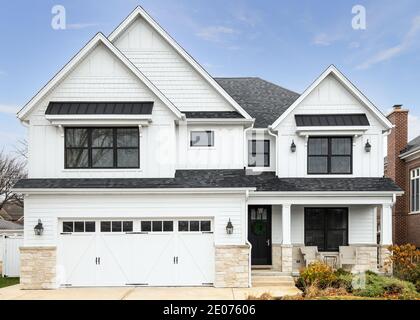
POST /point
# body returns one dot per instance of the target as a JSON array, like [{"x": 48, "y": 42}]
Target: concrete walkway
[{"x": 142, "y": 293}]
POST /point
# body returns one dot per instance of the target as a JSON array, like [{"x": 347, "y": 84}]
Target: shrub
[
  {"x": 264, "y": 296},
  {"x": 406, "y": 262},
  {"x": 316, "y": 274},
  {"x": 381, "y": 286}
]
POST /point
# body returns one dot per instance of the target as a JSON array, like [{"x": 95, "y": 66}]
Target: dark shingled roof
[
  {"x": 213, "y": 114},
  {"x": 266, "y": 181},
  {"x": 413, "y": 144},
  {"x": 263, "y": 100},
  {"x": 63, "y": 108},
  {"x": 354, "y": 119}
]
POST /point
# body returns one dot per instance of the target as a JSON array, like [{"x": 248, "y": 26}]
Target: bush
[
  {"x": 406, "y": 262},
  {"x": 381, "y": 286},
  {"x": 316, "y": 274}
]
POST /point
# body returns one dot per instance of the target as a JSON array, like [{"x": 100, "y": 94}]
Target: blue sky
[{"x": 287, "y": 42}]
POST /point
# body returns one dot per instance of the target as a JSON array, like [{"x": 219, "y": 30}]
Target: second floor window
[
  {"x": 202, "y": 139},
  {"x": 101, "y": 148},
  {"x": 414, "y": 190},
  {"x": 330, "y": 155},
  {"x": 258, "y": 153}
]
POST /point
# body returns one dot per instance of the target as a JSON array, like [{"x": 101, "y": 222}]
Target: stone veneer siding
[
  {"x": 276, "y": 256},
  {"x": 286, "y": 258},
  {"x": 232, "y": 266},
  {"x": 38, "y": 267},
  {"x": 385, "y": 263}
]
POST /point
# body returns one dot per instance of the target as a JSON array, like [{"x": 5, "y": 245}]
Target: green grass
[{"x": 5, "y": 282}]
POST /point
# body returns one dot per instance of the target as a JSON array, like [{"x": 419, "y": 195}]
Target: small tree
[{"x": 11, "y": 170}]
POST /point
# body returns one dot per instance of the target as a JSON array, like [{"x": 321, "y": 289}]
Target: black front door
[{"x": 259, "y": 234}]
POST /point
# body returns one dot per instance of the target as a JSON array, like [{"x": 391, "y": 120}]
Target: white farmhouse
[{"x": 145, "y": 170}]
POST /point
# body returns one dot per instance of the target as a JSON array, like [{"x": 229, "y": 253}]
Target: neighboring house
[
  {"x": 403, "y": 166},
  {"x": 145, "y": 170},
  {"x": 12, "y": 212},
  {"x": 10, "y": 228}
]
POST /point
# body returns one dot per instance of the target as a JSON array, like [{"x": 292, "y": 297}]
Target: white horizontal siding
[
  {"x": 362, "y": 225},
  {"x": 171, "y": 73},
  {"x": 50, "y": 208}
]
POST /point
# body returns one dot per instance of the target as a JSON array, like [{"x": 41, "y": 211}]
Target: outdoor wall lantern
[
  {"x": 293, "y": 146},
  {"x": 229, "y": 227},
  {"x": 39, "y": 229},
  {"x": 368, "y": 146}
]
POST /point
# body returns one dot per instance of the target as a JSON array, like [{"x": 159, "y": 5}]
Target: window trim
[
  {"x": 414, "y": 175},
  {"x": 202, "y": 146},
  {"x": 325, "y": 228},
  {"x": 329, "y": 155},
  {"x": 90, "y": 148},
  {"x": 250, "y": 141}
]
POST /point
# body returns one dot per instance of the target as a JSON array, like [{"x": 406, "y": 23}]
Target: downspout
[
  {"x": 245, "y": 161},
  {"x": 271, "y": 132},
  {"x": 247, "y": 241}
]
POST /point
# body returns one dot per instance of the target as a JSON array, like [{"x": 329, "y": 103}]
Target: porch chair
[
  {"x": 310, "y": 254},
  {"x": 347, "y": 256}
]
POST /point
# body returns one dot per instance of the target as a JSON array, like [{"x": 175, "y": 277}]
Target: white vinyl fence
[{"x": 10, "y": 255}]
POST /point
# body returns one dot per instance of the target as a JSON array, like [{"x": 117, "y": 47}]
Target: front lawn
[{"x": 5, "y": 282}]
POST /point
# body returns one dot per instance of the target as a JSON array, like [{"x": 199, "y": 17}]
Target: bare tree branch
[
  {"x": 21, "y": 149},
  {"x": 11, "y": 170}
]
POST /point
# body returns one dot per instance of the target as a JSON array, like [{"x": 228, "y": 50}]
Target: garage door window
[
  {"x": 194, "y": 226},
  {"x": 157, "y": 226},
  {"x": 116, "y": 226},
  {"x": 78, "y": 226}
]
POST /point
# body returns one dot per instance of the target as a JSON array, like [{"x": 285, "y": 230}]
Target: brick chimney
[{"x": 396, "y": 170}]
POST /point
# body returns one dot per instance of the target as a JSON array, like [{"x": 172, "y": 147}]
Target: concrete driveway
[{"x": 142, "y": 293}]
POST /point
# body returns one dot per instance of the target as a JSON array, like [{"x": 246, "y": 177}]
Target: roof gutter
[{"x": 133, "y": 190}]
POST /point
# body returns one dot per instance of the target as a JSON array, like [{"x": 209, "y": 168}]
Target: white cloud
[
  {"x": 8, "y": 109},
  {"x": 215, "y": 33},
  {"x": 77, "y": 26},
  {"x": 390, "y": 53},
  {"x": 321, "y": 39},
  {"x": 250, "y": 18}
]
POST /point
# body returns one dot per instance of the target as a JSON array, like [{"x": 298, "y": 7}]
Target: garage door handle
[
  {"x": 96, "y": 260},
  {"x": 176, "y": 260},
  {"x": 99, "y": 260}
]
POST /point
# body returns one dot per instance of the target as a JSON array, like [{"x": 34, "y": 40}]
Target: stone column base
[
  {"x": 276, "y": 257},
  {"x": 38, "y": 267},
  {"x": 286, "y": 258},
  {"x": 367, "y": 259},
  {"x": 385, "y": 263},
  {"x": 232, "y": 266}
]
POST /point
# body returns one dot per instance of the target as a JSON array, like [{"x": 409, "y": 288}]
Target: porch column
[
  {"x": 386, "y": 225},
  {"x": 286, "y": 247},
  {"x": 385, "y": 264}
]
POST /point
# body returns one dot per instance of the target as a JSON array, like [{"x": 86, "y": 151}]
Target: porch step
[{"x": 271, "y": 279}]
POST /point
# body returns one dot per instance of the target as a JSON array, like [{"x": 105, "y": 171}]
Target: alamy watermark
[
  {"x": 58, "y": 21},
  {"x": 359, "y": 20}
]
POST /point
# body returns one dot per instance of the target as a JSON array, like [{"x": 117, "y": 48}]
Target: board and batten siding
[
  {"x": 51, "y": 208},
  {"x": 330, "y": 97},
  {"x": 227, "y": 152},
  {"x": 362, "y": 224},
  {"x": 169, "y": 71},
  {"x": 101, "y": 77}
]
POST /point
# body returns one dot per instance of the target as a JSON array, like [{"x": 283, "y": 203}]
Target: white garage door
[{"x": 136, "y": 252}]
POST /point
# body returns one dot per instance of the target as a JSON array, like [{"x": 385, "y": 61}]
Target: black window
[
  {"x": 79, "y": 226},
  {"x": 194, "y": 226},
  {"x": 101, "y": 148},
  {"x": 182, "y": 225},
  {"x": 326, "y": 228},
  {"x": 146, "y": 226},
  {"x": 127, "y": 226},
  {"x": 202, "y": 139},
  {"x": 330, "y": 155},
  {"x": 156, "y": 226},
  {"x": 258, "y": 153},
  {"x": 105, "y": 226}
]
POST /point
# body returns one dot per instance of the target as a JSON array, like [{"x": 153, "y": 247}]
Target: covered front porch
[{"x": 350, "y": 231}]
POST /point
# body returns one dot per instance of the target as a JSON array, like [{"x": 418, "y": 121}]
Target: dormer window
[
  {"x": 330, "y": 155},
  {"x": 101, "y": 148}
]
